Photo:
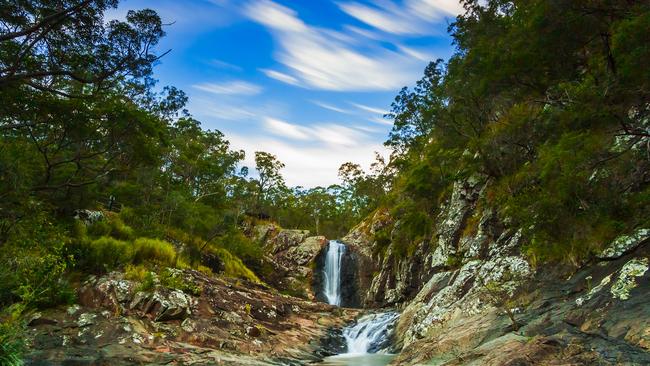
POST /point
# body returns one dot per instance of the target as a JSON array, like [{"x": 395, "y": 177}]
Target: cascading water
[
  {"x": 332, "y": 272},
  {"x": 367, "y": 342},
  {"x": 371, "y": 334}
]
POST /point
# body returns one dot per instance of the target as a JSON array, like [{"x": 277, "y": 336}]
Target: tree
[{"x": 270, "y": 183}]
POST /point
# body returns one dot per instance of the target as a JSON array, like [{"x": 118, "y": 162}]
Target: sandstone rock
[
  {"x": 305, "y": 252},
  {"x": 287, "y": 239}
]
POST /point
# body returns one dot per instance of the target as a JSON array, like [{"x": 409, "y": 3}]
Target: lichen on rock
[
  {"x": 627, "y": 278},
  {"x": 624, "y": 244}
]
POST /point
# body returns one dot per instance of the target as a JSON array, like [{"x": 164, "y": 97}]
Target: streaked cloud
[
  {"x": 230, "y": 88},
  {"x": 405, "y": 17},
  {"x": 328, "y": 133},
  {"x": 280, "y": 76},
  {"x": 325, "y": 59},
  {"x": 331, "y": 107},
  {"x": 285, "y": 129},
  {"x": 224, "y": 65},
  {"x": 370, "y": 109}
]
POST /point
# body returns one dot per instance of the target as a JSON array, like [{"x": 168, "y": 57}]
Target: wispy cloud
[
  {"x": 328, "y": 133},
  {"x": 230, "y": 88},
  {"x": 280, "y": 76},
  {"x": 405, "y": 17},
  {"x": 380, "y": 120},
  {"x": 331, "y": 107},
  {"x": 285, "y": 129},
  {"x": 325, "y": 59},
  {"x": 370, "y": 109},
  {"x": 224, "y": 65}
]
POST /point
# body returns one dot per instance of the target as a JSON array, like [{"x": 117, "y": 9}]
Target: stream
[{"x": 367, "y": 340}]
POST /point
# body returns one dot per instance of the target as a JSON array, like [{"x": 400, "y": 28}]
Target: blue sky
[{"x": 306, "y": 80}]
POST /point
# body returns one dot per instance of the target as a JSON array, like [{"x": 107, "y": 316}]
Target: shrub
[
  {"x": 135, "y": 273},
  {"x": 154, "y": 251},
  {"x": 113, "y": 227},
  {"x": 174, "y": 279},
  {"x": 106, "y": 253},
  {"x": 233, "y": 266},
  {"x": 12, "y": 344}
]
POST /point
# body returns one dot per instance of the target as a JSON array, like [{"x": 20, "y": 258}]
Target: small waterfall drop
[
  {"x": 332, "y": 272},
  {"x": 371, "y": 334}
]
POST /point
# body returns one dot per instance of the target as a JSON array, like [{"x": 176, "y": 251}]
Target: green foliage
[
  {"x": 548, "y": 101},
  {"x": 105, "y": 254},
  {"x": 113, "y": 227},
  {"x": 233, "y": 266},
  {"x": 12, "y": 344},
  {"x": 173, "y": 279},
  {"x": 146, "y": 250}
]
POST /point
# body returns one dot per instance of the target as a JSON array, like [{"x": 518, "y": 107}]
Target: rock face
[
  {"x": 469, "y": 297},
  {"x": 386, "y": 280},
  {"x": 292, "y": 254},
  {"x": 228, "y": 323}
]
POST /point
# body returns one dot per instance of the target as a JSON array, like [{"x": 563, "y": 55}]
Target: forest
[{"x": 547, "y": 100}]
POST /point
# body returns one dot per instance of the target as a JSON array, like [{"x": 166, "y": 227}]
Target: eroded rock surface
[{"x": 229, "y": 323}]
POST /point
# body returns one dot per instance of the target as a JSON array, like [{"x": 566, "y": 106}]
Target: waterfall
[
  {"x": 332, "y": 272},
  {"x": 370, "y": 334}
]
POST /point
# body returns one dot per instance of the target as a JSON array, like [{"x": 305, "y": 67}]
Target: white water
[
  {"x": 370, "y": 334},
  {"x": 332, "y": 272},
  {"x": 367, "y": 341}
]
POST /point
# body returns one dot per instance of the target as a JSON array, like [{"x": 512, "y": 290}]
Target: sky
[{"x": 306, "y": 80}]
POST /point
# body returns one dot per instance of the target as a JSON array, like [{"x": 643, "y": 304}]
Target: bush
[
  {"x": 113, "y": 227},
  {"x": 12, "y": 344},
  {"x": 174, "y": 279},
  {"x": 154, "y": 251},
  {"x": 106, "y": 253},
  {"x": 135, "y": 273},
  {"x": 233, "y": 266}
]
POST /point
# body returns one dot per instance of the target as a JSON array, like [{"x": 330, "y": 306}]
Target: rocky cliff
[{"x": 469, "y": 295}]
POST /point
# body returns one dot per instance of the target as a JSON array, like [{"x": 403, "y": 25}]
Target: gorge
[{"x": 503, "y": 219}]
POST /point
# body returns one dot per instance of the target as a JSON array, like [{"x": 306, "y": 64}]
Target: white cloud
[
  {"x": 224, "y": 65},
  {"x": 406, "y": 17},
  {"x": 285, "y": 129},
  {"x": 330, "y": 134},
  {"x": 370, "y": 109},
  {"x": 280, "y": 76},
  {"x": 331, "y": 107},
  {"x": 381, "y": 121},
  {"x": 325, "y": 59},
  {"x": 229, "y": 88},
  {"x": 308, "y": 166},
  {"x": 381, "y": 19}
]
